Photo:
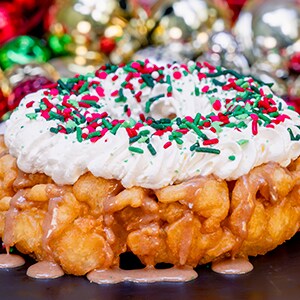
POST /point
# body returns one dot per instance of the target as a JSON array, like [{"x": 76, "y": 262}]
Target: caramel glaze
[
  {"x": 8, "y": 261},
  {"x": 45, "y": 270},
  {"x": 16, "y": 201},
  {"x": 147, "y": 275},
  {"x": 232, "y": 266}
]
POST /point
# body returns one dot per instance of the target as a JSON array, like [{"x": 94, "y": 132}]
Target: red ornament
[
  {"x": 294, "y": 63},
  {"x": 24, "y": 88},
  {"x": 20, "y": 17},
  {"x": 236, "y": 7},
  {"x": 3, "y": 104},
  {"x": 107, "y": 45},
  {"x": 10, "y": 22}
]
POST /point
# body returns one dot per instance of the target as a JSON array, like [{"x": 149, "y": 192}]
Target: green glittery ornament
[
  {"x": 59, "y": 44},
  {"x": 23, "y": 50}
]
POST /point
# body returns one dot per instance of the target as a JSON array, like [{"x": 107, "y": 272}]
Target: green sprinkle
[
  {"x": 232, "y": 72},
  {"x": 134, "y": 139},
  {"x": 143, "y": 139},
  {"x": 83, "y": 88},
  {"x": 43, "y": 106},
  {"x": 62, "y": 85},
  {"x": 241, "y": 125},
  {"x": 70, "y": 124},
  {"x": 150, "y": 101},
  {"x": 135, "y": 150},
  {"x": 290, "y": 107},
  {"x": 121, "y": 97},
  {"x": 264, "y": 118},
  {"x": 207, "y": 150},
  {"x": 106, "y": 124},
  {"x": 151, "y": 149},
  {"x": 94, "y": 134},
  {"x": 231, "y": 157},
  {"x": 217, "y": 82},
  {"x": 197, "y": 130},
  {"x": 242, "y": 142},
  {"x": 129, "y": 69},
  {"x": 54, "y": 115},
  {"x": 178, "y": 140},
  {"x": 144, "y": 132},
  {"x": 74, "y": 103},
  {"x": 197, "y": 91},
  {"x": 292, "y": 136},
  {"x": 274, "y": 114},
  {"x": 79, "y": 134},
  {"x": 148, "y": 80},
  {"x": 168, "y": 79},
  {"x": 197, "y": 119},
  {"x": 31, "y": 116},
  {"x": 115, "y": 128},
  {"x": 54, "y": 130}
]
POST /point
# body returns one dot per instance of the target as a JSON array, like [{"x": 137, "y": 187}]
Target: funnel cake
[{"x": 180, "y": 164}]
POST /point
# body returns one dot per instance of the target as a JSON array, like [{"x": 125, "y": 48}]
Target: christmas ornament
[
  {"x": 26, "y": 79},
  {"x": 270, "y": 26},
  {"x": 23, "y": 50},
  {"x": 223, "y": 49},
  {"x": 294, "y": 63},
  {"x": 10, "y": 21},
  {"x": 189, "y": 23},
  {"x": 4, "y": 92},
  {"x": 19, "y": 17}
]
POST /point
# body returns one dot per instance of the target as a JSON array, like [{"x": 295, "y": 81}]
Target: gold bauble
[
  {"x": 18, "y": 73},
  {"x": 189, "y": 23}
]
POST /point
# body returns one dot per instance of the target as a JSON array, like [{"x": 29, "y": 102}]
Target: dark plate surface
[{"x": 276, "y": 275}]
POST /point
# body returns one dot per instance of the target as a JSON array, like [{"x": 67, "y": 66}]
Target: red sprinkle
[
  {"x": 115, "y": 93},
  {"x": 100, "y": 91},
  {"x": 205, "y": 89},
  {"x": 210, "y": 142},
  {"x": 167, "y": 145},
  {"x": 102, "y": 75},
  {"x": 131, "y": 132},
  {"x": 217, "y": 105},
  {"x": 29, "y": 104},
  {"x": 135, "y": 65},
  {"x": 177, "y": 75},
  {"x": 54, "y": 92},
  {"x": 90, "y": 97},
  {"x": 189, "y": 119}
]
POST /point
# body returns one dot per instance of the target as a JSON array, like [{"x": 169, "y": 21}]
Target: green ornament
[
  {"x": 23, "y": 50},
  {"x": 59, "y": 44}
]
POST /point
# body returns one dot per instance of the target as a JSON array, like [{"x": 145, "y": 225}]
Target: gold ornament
[
  {"x": 5, "y": 87},
  {"x": 18, "y": 73},
  {"x": 187, "y": 24}
]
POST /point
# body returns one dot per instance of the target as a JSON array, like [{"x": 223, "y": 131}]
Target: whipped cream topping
[{"x": 153, "y": 126}]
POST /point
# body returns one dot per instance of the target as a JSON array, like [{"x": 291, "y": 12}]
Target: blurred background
[{"x": 41, "y": 41}]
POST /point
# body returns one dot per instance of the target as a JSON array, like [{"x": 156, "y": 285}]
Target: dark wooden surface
[{"x": 275, "y": 276}]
